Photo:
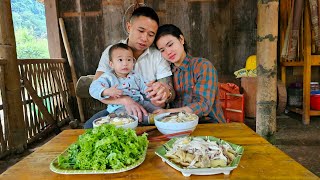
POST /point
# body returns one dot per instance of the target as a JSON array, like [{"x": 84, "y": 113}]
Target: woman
[{"x": 195, "y": 79}]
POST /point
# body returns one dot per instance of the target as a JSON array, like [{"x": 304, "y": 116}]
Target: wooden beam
[
  {"x": 82, "y": 14},
  {"x": 306, "y": 66},
  {"x": 267, "y": 68},
  {"x": 54, "y": 40},
  {"x": 18, "y": 135}
]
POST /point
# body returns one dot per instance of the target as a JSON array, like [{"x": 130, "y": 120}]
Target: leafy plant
[
  {"x": 104, "y": 147},
  {"x": 30, "y": 29},
  {"x": 28, "y": 46}
]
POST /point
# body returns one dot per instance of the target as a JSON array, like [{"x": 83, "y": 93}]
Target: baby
[{"x": 122, "y": 80}]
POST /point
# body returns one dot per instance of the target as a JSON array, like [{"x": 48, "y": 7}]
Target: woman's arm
[{"x": 205, "y": 88}]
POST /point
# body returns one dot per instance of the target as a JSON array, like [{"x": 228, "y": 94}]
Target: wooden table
[{"x": 260, "y": 159}]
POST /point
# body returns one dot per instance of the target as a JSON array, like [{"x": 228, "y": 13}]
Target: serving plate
[
  {"x": 161, "y": 151},
  {"x": 55, "y": 168}
]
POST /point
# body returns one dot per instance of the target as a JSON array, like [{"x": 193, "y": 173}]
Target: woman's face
[
  {"x": 142, "y": 31},
  {"x": 172, "y": 49}
]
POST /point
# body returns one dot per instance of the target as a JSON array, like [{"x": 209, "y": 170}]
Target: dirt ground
[{"x": 301, "y": 142}]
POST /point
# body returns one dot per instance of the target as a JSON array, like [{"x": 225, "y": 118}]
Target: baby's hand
[{"x": 113, "y": 92}]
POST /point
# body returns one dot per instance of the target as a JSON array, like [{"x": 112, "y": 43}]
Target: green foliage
[
  {"x": 30, "y": 29},
  {"x": 29, "y": 14},
  {"x": 29, "y": 46},
  {"x": 104, "y": 147}
]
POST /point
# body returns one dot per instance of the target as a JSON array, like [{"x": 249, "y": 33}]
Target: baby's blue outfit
[{"x": 133, "y": 85}]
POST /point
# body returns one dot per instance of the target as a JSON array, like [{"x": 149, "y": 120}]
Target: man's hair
[
  {"x": 118, "y": 46},
  {"x": 145, "y": 11}
]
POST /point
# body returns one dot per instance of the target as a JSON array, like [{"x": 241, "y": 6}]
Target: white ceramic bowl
[
  {"x": 131, "y": 125},
  {"x": 174, "y": 127}
]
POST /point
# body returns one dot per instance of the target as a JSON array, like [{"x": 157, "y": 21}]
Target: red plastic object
[
  {"x": 315, "y": 101},
  {"x": 233, "y": 110}
]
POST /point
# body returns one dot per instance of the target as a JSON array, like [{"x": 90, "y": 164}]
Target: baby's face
[{"x": 122, "y": 61}]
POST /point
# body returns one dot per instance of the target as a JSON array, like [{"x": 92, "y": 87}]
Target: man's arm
[
  {"x": 97, "y": 75},
  {"x": 161, "y": 91}
]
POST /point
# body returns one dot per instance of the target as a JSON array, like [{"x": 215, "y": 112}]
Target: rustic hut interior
[{"x": 278, "y": 97}]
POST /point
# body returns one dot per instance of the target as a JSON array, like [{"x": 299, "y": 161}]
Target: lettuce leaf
[{"x": 104, "y": 147}]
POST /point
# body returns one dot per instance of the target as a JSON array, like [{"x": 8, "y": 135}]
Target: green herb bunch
[{"x": 104, "y": 147}]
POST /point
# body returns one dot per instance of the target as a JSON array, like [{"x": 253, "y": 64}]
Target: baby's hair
[{"x": 118, "y": 46}]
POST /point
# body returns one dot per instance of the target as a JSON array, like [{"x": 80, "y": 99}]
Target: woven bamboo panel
[{"x": 39, "y": 73}]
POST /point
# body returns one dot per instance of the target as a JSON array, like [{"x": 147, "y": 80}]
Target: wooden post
[
  {"x": 53, "y": 29},
  {"x": 306, "y": 66},
  {"x": 267, "y": 67},
  {"x": 18, "y": 135}
]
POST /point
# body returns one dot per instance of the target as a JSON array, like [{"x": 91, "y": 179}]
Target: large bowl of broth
[
  {"x": 168, "y": 123},
  {"x": 125, "y": 122}
]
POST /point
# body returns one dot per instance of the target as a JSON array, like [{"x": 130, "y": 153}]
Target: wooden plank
[
  {"x": 82, "y": 14},
  {"x": 293, "y": 63},
  {"x": 314, "y": 113},
  {"x": 258, "y": 159},
  {"x": 112, "y": 2},
  {"x": 54, "y": 39},
  {"x": 37, "y": 61},
  {"x": 71, "y": 64},
  {"x": 306, "y": 66}
]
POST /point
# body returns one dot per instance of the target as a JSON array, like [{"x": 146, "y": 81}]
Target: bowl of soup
[
  {"x": 168, "y": 123},
  {"x": 126, "y": 122}
]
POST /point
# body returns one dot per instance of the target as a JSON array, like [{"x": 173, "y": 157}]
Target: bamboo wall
[{"x": 39, "y": 72}]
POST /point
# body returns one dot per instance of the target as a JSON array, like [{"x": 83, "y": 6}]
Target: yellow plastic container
[{"x": 251, "y": 62}]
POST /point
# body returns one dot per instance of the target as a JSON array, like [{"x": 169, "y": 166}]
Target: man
[{"x": 142, "y": 28}]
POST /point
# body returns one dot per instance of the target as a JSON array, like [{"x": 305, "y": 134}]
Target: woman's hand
[{"x": 158, "y": 92}]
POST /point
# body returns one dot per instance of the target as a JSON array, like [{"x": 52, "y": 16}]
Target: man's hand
[
  {"x": 134, "y": 108},
  {"x": 113, "y": 92},
  {"x": 131, "y": 106},
  {"x": 158, "y": 92}
]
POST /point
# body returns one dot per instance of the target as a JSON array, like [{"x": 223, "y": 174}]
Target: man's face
[{"x": 142, "y": 31}]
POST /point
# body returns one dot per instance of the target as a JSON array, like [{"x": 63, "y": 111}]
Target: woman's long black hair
[{"x": 169, "y": 29}]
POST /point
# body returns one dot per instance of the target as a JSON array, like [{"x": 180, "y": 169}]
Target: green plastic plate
[
  {"x": 55, "y": 168},
  {"x": 202, "y": 171}
]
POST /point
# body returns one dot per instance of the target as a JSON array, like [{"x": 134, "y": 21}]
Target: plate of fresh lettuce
[{"x": 102, "y": 150}]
